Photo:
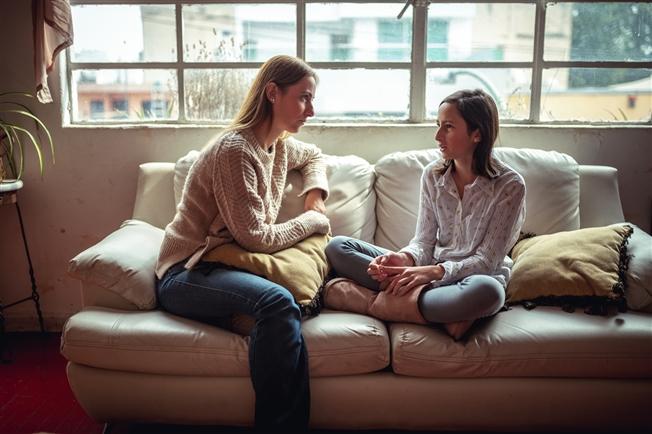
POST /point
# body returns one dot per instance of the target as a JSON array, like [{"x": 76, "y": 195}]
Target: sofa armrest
[
  {"x": 95, "y": 295},
  {"x": 599, "y": 197},
  {"x": 122, "y": 264}
]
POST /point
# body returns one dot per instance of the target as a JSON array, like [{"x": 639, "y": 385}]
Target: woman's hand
[
  {"x": 392, "y": 259},
  {"x": 405, "y": 279},
  {"x": 314, "y": 201}
]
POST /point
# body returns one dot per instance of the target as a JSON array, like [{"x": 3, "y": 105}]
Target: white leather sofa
[{"x": 521, "y": 370}]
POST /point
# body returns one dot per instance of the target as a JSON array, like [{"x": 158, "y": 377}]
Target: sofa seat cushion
[
  {"x": 544, "y": 342},
  {"x": 157, "y": 342}
]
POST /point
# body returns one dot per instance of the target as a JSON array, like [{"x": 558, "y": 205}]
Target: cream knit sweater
[{"x": 234, "y": 191}]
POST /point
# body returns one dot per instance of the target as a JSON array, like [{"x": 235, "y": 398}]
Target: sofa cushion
[
  {"x": 157, "y": 342},
  {"x": 552, "y": 191},
  {"x": 588, "y": 262},
  {"x": 123, "y": 263},
  {"x": 350, "y": 205},
  {"x": 545, "y": 342}
]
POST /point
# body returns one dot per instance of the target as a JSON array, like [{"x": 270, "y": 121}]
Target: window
[
  {"x": 120, "y": 108},
  {"x": 189, "y": 61},
  {"x": 393, "y": 39},
  {"x": 97, "y": 109}
]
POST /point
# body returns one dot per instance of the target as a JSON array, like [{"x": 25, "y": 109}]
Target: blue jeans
[
  {"x": 278, "y": 358},
  {"x": 472, "y": 297}
]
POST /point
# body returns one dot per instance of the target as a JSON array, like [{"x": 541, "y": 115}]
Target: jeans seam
[{"x": 212, "y": 288}]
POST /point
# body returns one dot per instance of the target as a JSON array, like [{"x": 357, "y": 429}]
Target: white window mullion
[
  {"x": 537, "y": 60},
  {"x": 418, "y": 66},
  {"x": 71, "y": 98},
  {"x": 301, "y": 29},
  {"x": 179, "y": 66}
]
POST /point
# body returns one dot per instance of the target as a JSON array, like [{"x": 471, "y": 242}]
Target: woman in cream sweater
[{"x": 233, "y": 193}]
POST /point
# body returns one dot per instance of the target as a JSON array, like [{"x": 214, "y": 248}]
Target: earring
[{"x": 273, "y": 100}]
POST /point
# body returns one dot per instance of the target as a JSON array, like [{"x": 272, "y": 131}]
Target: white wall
[{"x": 91, "y": 188}]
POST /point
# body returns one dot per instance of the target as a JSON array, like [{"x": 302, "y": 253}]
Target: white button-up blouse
[{"x": 471, "y": 235}]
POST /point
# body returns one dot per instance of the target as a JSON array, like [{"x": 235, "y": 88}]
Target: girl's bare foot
[{"x": 457, "y": 329}]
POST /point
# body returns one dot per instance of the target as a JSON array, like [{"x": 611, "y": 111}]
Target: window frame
[{"x": 417, "y": 67}]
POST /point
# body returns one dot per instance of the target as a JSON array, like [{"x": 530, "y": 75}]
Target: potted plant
[{"x": 20, "y": 128}]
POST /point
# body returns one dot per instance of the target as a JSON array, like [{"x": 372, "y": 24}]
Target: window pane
[
  {"x": 357, "y": 33},
  {"x": 596, "y": 94},
  {"x": 362, "y": 94},
  {"x": 124, "y": 94},
  {"x": 238, "y": 32},
  {"x": 123, "y": 33},
  {"x": 216, "y": 94},
  {"x": 510, "y": 88},
  {"x": 599, "y": 31},
  {"x": 483, "y": 31}
]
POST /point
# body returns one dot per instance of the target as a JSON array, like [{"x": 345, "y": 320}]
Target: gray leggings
[{"x": 471, "y": 298}]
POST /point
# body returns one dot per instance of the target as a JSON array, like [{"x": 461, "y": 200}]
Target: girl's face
[
  {"x": 452, "y": 134},
  {"x": 293, "y": 107}
]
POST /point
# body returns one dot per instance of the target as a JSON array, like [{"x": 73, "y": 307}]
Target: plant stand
[{"x": 8, "y": 196}]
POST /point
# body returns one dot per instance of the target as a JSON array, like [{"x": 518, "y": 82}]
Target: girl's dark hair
[{"x": 480, "y": 113}]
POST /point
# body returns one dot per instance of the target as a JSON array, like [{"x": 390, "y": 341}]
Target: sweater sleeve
[
  {"x": 243, "y": 211},
  {"x": 309, "y": 160},
  {"x": 422, "y": 245},
  {"x": 506, "y": 220}
]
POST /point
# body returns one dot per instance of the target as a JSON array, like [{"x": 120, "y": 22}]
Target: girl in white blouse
[{"x": 471, "y": 210}]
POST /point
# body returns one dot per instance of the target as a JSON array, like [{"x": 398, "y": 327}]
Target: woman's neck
[{"x": 266, "y": 134}]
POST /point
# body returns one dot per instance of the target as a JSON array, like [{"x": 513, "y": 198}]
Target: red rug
[{"x": 34, "y": 392}]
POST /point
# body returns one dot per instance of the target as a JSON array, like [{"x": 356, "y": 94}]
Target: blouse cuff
[
  {"x": 449, "y": 271},
  {"x": 413, "y": 252}
]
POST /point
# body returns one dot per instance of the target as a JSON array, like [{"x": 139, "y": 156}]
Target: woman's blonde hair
[{"x": 282, "y": 70}]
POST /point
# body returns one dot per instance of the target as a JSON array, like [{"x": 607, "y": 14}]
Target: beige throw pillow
[
  {"x": 589, "y": 262},
  {"x": 300, "y": 268}
]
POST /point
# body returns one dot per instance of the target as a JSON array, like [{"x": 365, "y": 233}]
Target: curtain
[{"x": 52, "y": 33}]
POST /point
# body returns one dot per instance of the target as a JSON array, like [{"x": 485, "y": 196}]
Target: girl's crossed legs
[{"x": 456, "y": 305}]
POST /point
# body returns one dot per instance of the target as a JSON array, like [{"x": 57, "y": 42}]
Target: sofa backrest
[
  {"x": 378, "y": 203},
  {"x": 552, "y": 191}
]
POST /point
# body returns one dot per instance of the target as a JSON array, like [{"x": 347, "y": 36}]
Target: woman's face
[
  {"x": 452, "y": 134},
  {"x": 293, "y": 107}
]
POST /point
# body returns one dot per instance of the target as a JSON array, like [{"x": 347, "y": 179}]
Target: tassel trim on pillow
[{"x": 592, "y": 305}]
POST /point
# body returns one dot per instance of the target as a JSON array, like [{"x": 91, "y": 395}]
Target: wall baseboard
[{"x": 18, "y": 322}]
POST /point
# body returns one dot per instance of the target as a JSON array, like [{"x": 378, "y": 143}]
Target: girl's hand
[
  {"x": 405, "y": 279},
  {"x": 314, "y": 201},
  {"x": 392, "y": 259}
]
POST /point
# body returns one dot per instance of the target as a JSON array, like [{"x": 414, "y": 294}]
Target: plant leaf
[
  {"x": 36, "y": 146},
  {"x": 21, "y": 153},
  {"x": 10, "y": 149},
  {"x": 31, "y": 115},
  {"x": 27, "y": 94}
]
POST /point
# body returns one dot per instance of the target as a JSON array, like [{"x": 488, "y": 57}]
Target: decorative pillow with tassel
[{"x": 585, "y": 267}]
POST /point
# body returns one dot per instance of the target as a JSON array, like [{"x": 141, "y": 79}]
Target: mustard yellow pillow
[
  {"x": 300, "y": 268},
  {"x": 584, "y": 263}
]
